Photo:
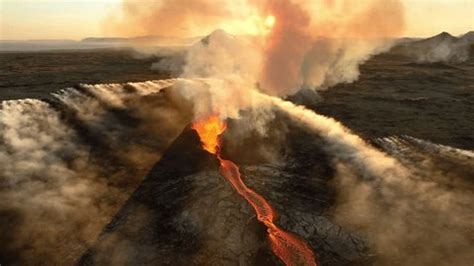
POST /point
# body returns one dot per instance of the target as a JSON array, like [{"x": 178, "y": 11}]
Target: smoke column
[
  {"x": 295, "y": 44},
  {"x": 318, "y": 51}
]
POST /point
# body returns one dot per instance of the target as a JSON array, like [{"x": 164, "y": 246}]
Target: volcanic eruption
[
  {"x": 221, "y": 164},
  {"x": 289, "y": 248}
]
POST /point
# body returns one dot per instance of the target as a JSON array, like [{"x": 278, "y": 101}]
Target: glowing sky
[{"x": 76, "y": 19}]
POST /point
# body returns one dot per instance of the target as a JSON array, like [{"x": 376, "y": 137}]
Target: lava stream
[{"x": 289, "y": 248}]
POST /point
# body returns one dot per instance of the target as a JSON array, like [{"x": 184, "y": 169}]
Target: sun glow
[
  {"x": 252, "y": 25},
  {"x": 269, "y": 21}
]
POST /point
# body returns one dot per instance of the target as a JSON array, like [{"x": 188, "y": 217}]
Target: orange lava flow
[{"x": 291, "y": 249}]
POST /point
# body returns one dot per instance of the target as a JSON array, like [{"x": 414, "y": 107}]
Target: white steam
[
  {"x": 47, "y": 180},
  {"x": 220, "y": 74},
  {"x": 410, "y": 216},
  {"x": 58, "y": 188},
  {"x": 334, "y": 61}
]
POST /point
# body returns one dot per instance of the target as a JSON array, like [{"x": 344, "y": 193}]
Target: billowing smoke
[
  {"x": 345, "y": 146},
  {"x": 319, "y": 44},
  {"x": 229, "y": 74},
  {"x": 391, "y": 203},
  {"x": 68, "y": 164},
  {"x": 411, "y": 214},
  {"x": 52, "y": 196},
  {"x": 285, "y": 47},
  {"x": 294, "y": 44},
  {"x": 176, "y": 18}
]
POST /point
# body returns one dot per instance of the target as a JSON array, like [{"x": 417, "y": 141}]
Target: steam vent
[{"x": 186, "y": 213}]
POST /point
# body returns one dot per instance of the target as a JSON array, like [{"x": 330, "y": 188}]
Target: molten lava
[
  {"x": 209, "y": 130},
  {"x": 289, "y": 248}
]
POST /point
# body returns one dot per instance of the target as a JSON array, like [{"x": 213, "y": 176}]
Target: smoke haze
[
  {"x": 318, "y": 45},
  {"x": 180, "y": 18},
  {"x": 57, "y": 163},
  {"x": 58, "y": 154},
  {"x": 411, "y": 214},
  {"x": 309, "y": 44}
]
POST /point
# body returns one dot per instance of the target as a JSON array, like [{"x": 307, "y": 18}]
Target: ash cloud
[
  {"x": 311, "y": 44},
  {"x": 176, "y": 18},
  {"x": 229, "y": 74},
  {"x": 320, "y": 51},
  {"x": 58, "y": 187}
]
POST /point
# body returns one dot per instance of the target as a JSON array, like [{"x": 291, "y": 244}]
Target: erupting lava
[
  {"x": 209, "y": 131},
  {"x": 289, "y": 248}
]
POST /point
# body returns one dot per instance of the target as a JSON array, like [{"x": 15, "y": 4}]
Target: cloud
[{"x": 311, "y": 44}]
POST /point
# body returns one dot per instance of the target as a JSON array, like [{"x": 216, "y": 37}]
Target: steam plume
[
  {"x": 322, "y": 50},
  {"x": 57, "y": 186},
  {"x": 305, "y": 47},
  {"x": 410, "y": 214}
]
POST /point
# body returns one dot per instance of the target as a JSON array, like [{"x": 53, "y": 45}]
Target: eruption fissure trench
[{"x": 287, "y": 247}]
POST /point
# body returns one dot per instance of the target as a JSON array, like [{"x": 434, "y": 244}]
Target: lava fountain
[{"x": 289, "y": 248}]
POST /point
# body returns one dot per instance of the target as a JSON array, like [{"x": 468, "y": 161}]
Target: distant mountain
[
  {"x": 432, "y": 42},
  {"x": 104, "y": 39},
  {"x": 444, "y": 36},
  {"x": 468, "y": 37},
  {"x": 149, "y": 40},
  {"x": 53, "y": 45},
  {"x": 217, "y": 34},
  {"x": 443, "y": 47},
  {"x": 95, "y": 43}
]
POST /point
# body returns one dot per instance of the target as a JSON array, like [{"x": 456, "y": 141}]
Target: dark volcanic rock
[
  {"x": 183, "y": 213},
  {"x": 186, "y": 213},
  {"x": 37, "y": 74}
]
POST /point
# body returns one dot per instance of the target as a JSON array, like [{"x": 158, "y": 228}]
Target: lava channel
[{"x": 289, "y": 248}]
